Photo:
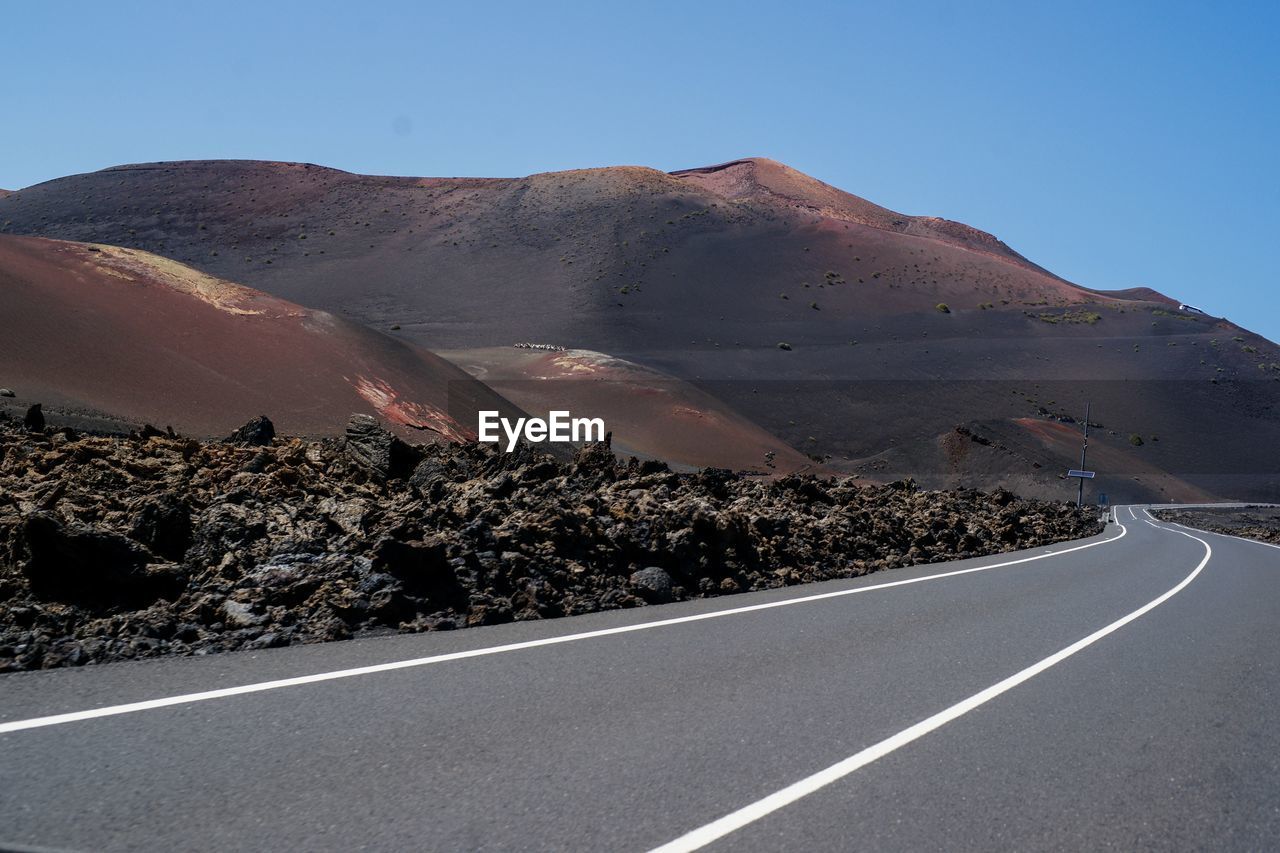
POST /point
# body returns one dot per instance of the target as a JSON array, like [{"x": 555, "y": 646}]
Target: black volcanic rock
[
  {"x": 596, "y": 459},
  {"x": 258, "y": 432},
  {"x": 34, "y": 419},
  {"x": 163, "y": 524},
  {"x": 652, "y": 584},
  {"x": 371, "y": 447},
  {"x": 113, "y": 548},
  {"x": 422, "y": 568},
  {"x": 97, "y": 568}
]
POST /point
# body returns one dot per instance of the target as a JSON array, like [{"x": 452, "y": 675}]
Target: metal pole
[{"x": 1084, "y": 450}]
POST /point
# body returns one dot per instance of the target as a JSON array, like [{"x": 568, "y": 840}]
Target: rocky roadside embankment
[
  {"x": 1253, "y": 522},
  {"x": 131, "y": 547}
]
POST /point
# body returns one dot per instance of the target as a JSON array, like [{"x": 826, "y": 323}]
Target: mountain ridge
[
  {"x": 858, "y": 336},
  {"x": 770, "y": 181}
]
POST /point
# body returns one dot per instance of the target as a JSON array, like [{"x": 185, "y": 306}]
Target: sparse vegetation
[
  {"x": 943, "y": 308},
  {"x": 1136, "y": 440},
  {"x": 1071, "y": 317}
]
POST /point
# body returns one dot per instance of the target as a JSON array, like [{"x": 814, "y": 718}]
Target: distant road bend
[{"x": 1121, "y": 691}]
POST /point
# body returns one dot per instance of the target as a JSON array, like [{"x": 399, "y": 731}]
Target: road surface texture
[{"x": 1118, "y": 692}]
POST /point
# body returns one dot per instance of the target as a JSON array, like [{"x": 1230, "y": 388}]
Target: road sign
[{"x": 1084, "y": 475}]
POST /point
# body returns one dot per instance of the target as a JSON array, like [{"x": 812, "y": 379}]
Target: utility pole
[{"x": 1084, "y": 450}]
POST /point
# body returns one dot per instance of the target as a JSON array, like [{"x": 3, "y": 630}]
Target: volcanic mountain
[
  {"x": 110, "y": 337},
  {"x": 875, "y": 341}
]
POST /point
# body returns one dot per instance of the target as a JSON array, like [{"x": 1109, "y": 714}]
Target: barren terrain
[{"x": 855, "y": 336}]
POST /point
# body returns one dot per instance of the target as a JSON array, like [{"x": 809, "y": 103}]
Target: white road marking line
[
  {"x": 733, "y": 821},
  {"x": 1229, "y": 536},
  {"x": 1214, "y": 533},
  {"x": 241, "y": 690},
  {"x": 1211, "y": 532}
]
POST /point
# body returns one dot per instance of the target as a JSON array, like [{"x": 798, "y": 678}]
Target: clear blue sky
[{"x": 1117, "y": 144}]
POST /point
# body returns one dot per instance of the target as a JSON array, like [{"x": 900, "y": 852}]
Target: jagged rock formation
[{"x": 128, "y": 547}]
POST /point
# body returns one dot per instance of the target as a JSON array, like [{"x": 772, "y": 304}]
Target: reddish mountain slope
[
  {"x": 94, "y": 328},
  {"x": 768, "y": 182}
]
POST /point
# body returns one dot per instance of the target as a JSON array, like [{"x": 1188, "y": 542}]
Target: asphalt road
[{"x": 1121, "y": 692}]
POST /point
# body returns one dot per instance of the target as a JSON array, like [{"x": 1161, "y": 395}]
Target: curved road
[{"x": 1119, "y": 692}]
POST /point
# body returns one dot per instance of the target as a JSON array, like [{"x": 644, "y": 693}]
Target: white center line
[
  {"x": 704, "y": 835},
  {"x": 259, "y": 687}
]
